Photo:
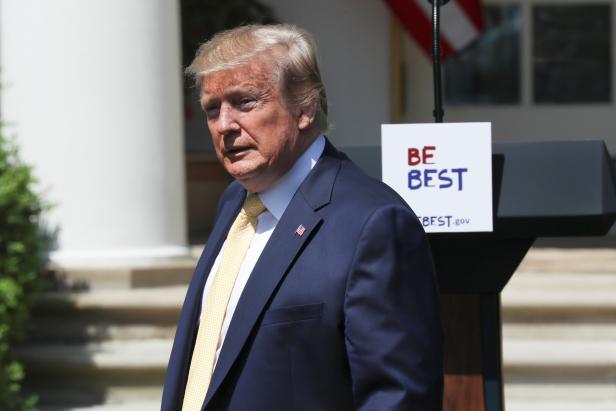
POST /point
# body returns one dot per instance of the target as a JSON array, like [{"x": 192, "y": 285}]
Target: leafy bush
[{"x": 22, "y": 247}]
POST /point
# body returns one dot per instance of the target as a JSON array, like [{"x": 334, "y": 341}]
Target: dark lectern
[{"x": 540, "y": 189}]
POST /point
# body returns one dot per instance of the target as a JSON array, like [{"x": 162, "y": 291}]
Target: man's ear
[{"x": 307, "y": 115}]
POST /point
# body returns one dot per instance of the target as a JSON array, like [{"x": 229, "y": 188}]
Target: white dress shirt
[{"x": 276, "y": 199}]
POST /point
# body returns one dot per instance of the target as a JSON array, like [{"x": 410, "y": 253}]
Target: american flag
[
  {"x": 461, "y": 23},
  {"x": 300, "y": 230}
]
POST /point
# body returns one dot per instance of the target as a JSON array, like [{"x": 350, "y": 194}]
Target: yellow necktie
[{"x": 213, "y": 314}]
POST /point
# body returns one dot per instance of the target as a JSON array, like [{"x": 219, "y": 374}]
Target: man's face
[{"x": 256, "y": 137}]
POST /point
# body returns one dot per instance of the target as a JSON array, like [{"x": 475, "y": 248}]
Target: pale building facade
[
  {"x": 92, "y": 92},
  {"x": 568, "y": 29}
]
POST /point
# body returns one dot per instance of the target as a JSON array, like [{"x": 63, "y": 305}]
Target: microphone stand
[{"x": 438, "y": 112}]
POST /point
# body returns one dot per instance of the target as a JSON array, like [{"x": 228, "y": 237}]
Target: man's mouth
[{"x": 237, "y": 151}]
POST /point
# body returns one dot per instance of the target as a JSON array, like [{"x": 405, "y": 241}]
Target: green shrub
[{"x": 22, "y": 247}]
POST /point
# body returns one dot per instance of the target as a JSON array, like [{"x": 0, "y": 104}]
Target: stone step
[
  {"x": 524, "y": 290},
  {"x": 91, "y": 397},
  {"x": 562, "y": 280},
  {"x": 531, "y": 302},
  {"x": 56, "y": 330},
  {"x": 559, "y": 332},
  {"x": 129, "y": 406},
  {"x": 157, "y": 273},
  {"x": 98, "y": 315},
  {"x": 580, "y": 329},
  {"x": 590, "y": 405},
  {"x": 552, "y": 373},
  {"x": 588, "y": 260},
  {"x": 537, "y": 389},
  {"x": 562, "y": 357},
  {"x": 153, "y": 302},
  {"x": 104, "y": 358},
  {"x": 146, "y": 298},
  {"x": 115, "y": 372},
  {"x": 121, "y": 314},
  {"x": 559, "y": 314},
  {"x": 511, "y": 405}
]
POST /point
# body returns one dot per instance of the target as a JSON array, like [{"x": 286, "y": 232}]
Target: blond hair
[{"x": 293, "y": 51}]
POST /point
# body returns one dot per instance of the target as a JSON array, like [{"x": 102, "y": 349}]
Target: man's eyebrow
[
  {"x": 205, "y": 100},
  {"x": 233, "y": 91}
]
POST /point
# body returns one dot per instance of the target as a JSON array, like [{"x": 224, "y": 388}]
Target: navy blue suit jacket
[{"x": 343, "y": 317}]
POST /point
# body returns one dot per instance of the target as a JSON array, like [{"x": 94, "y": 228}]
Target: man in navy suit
[{"x": 335, "y": 305}]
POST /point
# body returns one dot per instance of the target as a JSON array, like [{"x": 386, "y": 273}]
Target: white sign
[{"x": 443, "y": 171}]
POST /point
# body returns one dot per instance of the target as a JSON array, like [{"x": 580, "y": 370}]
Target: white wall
[{"x": 353, "y": 41}]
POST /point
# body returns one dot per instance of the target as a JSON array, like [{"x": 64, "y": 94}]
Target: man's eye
[
  {"x": 246, "y": 102},
  {"x": 211, "y": 112}
]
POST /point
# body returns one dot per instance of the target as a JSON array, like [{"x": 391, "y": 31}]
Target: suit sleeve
[{"x": 392, "y": 317}]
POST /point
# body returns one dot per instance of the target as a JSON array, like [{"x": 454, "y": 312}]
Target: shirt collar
[{"x": 278, "y": 196}]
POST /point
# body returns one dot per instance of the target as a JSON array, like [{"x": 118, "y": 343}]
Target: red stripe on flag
[
  {"x": 418, "y": 25},
  {"x": 446, "y": 49},
  {"x": 473, "y": 11}
]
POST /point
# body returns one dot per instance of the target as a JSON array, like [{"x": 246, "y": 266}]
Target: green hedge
[{"x": 22, "y": 247}]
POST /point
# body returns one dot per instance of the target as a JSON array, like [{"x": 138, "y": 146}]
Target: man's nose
[{"x": 226, "y": 120}]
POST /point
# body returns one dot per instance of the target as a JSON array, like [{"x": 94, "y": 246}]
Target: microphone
[{"x": 436, "y": 59}]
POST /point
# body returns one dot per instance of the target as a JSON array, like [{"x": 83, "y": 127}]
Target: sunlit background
[{"x": 94, "y": 96}]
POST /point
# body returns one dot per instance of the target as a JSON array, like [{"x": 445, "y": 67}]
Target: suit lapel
[{"x": 282, "y": 249}]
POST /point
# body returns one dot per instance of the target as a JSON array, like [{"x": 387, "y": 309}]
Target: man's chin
[
  {"x": 252, "y": 181},
  {"x": 256, "y": 183}
]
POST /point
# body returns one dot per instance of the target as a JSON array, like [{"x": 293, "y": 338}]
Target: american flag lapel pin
[{"x": 299, "y": 231}]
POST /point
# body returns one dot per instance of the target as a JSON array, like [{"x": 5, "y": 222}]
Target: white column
[{"x": 91, "y": 89}]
